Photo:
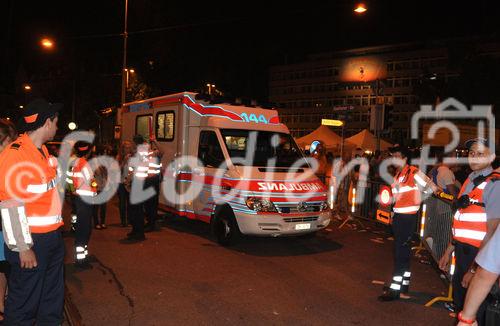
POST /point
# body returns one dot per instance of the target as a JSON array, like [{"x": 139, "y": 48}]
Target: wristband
[{"x": 465, "y": 321}]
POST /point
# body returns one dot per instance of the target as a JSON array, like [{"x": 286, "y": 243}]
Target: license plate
[{"x": 305, "y": 226}]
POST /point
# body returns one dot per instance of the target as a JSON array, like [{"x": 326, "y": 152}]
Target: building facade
[{"x": 349, "y": 85}]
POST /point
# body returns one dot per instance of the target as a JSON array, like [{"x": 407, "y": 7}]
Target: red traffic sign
[{"x": 385, "y": 196}]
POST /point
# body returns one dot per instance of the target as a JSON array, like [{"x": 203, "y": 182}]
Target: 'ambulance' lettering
[{"x": 272, "y": 186}]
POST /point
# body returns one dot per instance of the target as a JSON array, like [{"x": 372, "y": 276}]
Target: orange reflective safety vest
[
  {"x": 83, "y": 178},
  {"x": 146, "y": 164},
  {"x": 406, "y": 194},
  {"x": 469, "y": 223},
  {"x": 29, "y": 175}
]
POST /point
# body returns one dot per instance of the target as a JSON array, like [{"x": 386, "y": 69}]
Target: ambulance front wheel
[{"x": 225, "y": 228}]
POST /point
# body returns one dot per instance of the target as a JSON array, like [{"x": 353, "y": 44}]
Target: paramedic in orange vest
[
  {"x": 31, "y": 218},
  {"x": 85, "y": 189},
  {"x": 407, "y": 188},
  {"x": 478, "y": 213}
]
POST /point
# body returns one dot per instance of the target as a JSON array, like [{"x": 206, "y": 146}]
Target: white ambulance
[{"x": 248, "y": 175}]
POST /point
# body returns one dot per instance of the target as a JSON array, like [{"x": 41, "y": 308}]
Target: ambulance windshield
[{"x": 265, "y": 147}]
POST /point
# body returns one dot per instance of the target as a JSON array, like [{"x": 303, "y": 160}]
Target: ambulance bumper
[{"x": 282, "y": 224}]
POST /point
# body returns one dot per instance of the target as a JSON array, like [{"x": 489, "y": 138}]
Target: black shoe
[
  {"x": 450, "y": 306},
  {"x": 389, "y": 295},
  {"x": 138, "y": 237}
]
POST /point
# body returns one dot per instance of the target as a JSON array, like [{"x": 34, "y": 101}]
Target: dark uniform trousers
[
  {"x": 403, "y": 227},
  {"x": 136, "y": 218},
  {"x": 83, "y": 227},
  {"x": 464, "y": 256},
  {"x": 151, "y": 204},
  {"x": 37, "y": 294}
]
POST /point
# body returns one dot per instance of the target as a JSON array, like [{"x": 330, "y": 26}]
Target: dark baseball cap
[
  {"x": 36, "y": 113},
  {"x": 138, "y": 139},
  {"x": 82, "y": 147},
  {"x": 401, "y": 149},
  {"x": 479, "y": 140}
]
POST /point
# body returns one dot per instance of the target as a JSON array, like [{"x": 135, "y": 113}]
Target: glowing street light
[
  {"x": 72, "y": 125},
  {"x": 47, "y": 43},
  {"x": 129, "y": 71},
  {"x": 360, "y": 8},
  {"x": 211, "y": 87},
  {"x": 27, "y": 87}
]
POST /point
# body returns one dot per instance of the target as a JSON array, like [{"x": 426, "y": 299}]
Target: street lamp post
[{"x": 124, "y": 66}]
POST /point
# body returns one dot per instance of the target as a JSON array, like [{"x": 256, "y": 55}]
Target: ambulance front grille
[
  {"x": 300, "y": 219},
  {"x": 287, "y": 208}
]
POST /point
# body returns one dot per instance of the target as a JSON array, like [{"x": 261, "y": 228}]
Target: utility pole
[{"x": 124, "y": 67}]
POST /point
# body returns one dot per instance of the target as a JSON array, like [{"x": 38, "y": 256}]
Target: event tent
[
  {"x": 323, "y": 133},
  {"x": 366, "y": 141}
]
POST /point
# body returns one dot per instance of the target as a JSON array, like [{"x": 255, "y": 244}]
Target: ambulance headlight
[{"x": 260, "y": 204}]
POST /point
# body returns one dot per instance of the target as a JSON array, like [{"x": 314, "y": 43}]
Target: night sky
[{"x": 229, "y": 44}]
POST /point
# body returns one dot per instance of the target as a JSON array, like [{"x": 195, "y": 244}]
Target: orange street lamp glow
[
  {"x": 360, "y": 9},
  {"x": 47, "y": 43},
  {"x": 27, "y": 87}
]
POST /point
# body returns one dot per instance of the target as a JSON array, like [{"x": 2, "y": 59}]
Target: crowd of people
[
  {"x": 31, "y": 245},
  {"x": 32, "y": 248}
]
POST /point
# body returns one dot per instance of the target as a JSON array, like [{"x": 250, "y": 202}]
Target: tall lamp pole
[{"x": 124, "y": 67}]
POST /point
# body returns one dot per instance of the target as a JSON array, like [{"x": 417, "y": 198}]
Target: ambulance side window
[
  {"x": 165, "y": 124},
  {"x": 209, "y": 150}
]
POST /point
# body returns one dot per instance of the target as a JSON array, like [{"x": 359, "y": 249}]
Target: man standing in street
[
  {"x": 478, "y": 213},
  {"x": 85, "y": 190},
  {"x": 31, "y": 218},
  {"x": 407, "y": 188},
  {"x": 144, "y": 172}
]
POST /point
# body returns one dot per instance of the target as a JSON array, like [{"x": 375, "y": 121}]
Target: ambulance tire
[{"x": 224, "y": 227}]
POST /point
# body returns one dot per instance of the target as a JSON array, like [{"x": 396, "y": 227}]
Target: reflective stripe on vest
[
  {"x": 403, "y": 189},
  {"x": 470, "y": 217},
  {"x": 469, "y": 234},
  {"x": 41, "y": 188},
  {"x": 44, "y": 220},
  {"x": 88, "y": 193}
]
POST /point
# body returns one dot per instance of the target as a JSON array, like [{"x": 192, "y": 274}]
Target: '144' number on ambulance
[{"x": 253, "y": 118}]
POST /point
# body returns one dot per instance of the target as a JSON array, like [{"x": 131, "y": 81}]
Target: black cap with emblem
[{"x": 36, "y": 113}]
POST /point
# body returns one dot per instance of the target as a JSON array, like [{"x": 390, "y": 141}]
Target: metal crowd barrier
[
  {"x": 435, "y": 231},
  {"x": 435, "y": 226},
  {"x": 366, "y": 208}
]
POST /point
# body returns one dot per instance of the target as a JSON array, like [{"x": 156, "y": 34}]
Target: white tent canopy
[
  {"x": 323, "y": 133},
  {"x": 366, "y": 141}
]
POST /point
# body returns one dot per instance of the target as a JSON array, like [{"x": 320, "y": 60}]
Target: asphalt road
[{"x": 180, "y": 276}]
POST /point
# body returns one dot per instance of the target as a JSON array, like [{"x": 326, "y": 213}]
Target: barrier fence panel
[
  {"x": 435, "y": 226},
  {"x": 366, "y": 208},
  {"x": 435, "y": 231}
]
